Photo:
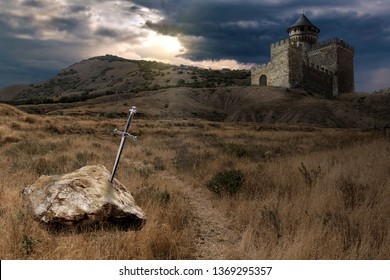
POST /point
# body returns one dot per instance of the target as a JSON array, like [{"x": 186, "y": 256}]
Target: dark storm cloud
[
  {"x": 228, "y": 22},
  {"x": 228, "y": 30},
  {"x": 23, "y": 25},
  {"x": 41, "y": 37},
  {"x": 134, "y": 8},
  {"x": 66, "y": 24},
  {"x": 74, "y": 9},
  {"x": 27, "y": 61},
  {"x": 369, "y": 35},
  {"x": 33, "y": 3},
  {"x": 26, "y": 55},
  {"x": 106, "y": 32},
  {"x": 243, "y": 30}
]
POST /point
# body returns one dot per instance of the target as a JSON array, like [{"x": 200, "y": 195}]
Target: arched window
[{"x": 263, "y": 80}]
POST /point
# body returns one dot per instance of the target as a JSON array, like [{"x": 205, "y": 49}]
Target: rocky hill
[{"x": 107, "y": 75}]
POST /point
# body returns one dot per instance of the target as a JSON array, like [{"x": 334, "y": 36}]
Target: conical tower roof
[
  {"x": 303, "y": 21},
  {"x": 303, "y": 31}
]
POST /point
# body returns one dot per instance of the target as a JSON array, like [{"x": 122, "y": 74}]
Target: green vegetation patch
[{"x": 227, "y": 182}]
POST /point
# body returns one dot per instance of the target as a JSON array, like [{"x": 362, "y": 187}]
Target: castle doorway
[{"x": 263, "y": 80}]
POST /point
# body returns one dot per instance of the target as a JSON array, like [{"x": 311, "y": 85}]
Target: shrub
[
  {"x": 158, "y": 163},
  {"x": 109, "y": 115},
  {"x": 181, "y": 83},
  {"x": 226, "y": 182},
  {"x": 28, "y": 244},
  {"x": 82, "y": 159},
  {"x": 311, "y": 176}
]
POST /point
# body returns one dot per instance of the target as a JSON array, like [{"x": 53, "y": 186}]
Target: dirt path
[{"x": 214, "y": 239}]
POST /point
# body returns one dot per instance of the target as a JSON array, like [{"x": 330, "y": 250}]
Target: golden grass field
[{"x": 309, "y": 193}]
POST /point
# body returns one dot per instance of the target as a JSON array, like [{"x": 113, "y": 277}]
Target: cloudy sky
[{"x": 38, "y": 38}]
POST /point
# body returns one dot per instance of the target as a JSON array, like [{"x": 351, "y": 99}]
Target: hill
[
  {"x": 106, "y": 75},
  {"x": 265, "y": 105}
]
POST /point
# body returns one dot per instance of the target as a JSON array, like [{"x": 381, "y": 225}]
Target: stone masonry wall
[
  {"x": 326, "y": 57},
  {"x": 279, "y": 74},
  {"x": 257, "y": 72},
  {"x": 345, "y": 70},
  {"x": 336, "y": 56},
  {"x": 318, "y": 80},
  {"x": 277, "y": 71},
  {"x": 297, "y": 57}
]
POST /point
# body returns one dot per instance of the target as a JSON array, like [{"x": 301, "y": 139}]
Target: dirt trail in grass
[{"x": 214, "y": 239}]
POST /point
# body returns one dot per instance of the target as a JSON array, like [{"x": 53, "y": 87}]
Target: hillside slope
[
  {"x": 264, "y": 105},
  {"x": 107, "y": 75}
]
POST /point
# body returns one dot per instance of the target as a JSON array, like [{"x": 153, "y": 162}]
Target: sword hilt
[
  {"x": 125, "y": 134},
  {"x": 133, "y": 110}
]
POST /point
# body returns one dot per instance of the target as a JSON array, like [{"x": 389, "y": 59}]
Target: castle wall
[
  {"x": 297, "y": 57},
  {"x": 326, "y": 56},
  {"x": 279, "y": 74},
  {"x": 277, "y": 71},
  {"x": 336, "y": 56},
  {"x": 317, "y": 79},
  {"x": 345, "y": 70},
  {"x": 257, "y": 72}
]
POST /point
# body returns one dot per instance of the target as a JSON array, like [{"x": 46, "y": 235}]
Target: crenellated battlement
[
  {"x": 280, "y": 43},
  {"x": 260, "y": 67},
  {"x": 333, "y": 41},
  {"x": 318, "y": 68}
]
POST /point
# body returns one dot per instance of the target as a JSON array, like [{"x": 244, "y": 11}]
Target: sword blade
[
  {"x": 132, "y": 111},
  {"x": 118, "y": 156}
]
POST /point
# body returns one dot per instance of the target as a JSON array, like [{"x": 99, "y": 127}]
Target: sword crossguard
[
  {"x": 126, "y": 134},
  {"x": 133, "y": 110}
]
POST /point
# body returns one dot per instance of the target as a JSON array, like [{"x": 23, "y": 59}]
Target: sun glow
[{"x": 160, "y": 47}]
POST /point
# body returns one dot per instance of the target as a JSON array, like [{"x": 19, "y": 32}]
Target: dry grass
[{"x": 308, "y": 193}]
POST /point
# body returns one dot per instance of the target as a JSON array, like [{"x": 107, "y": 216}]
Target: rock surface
[{"x": 83, "y": 197}]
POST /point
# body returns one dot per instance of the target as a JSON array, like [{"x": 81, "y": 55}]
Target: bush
[{"x": 226, "y": 182}]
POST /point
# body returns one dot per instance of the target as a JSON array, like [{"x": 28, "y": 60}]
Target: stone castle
[{"x": 300, "y": 61}]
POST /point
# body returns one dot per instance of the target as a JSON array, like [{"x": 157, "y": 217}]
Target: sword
[{"x": 124, "y": 135}]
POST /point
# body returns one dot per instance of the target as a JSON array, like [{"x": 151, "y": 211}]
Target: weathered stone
[{"x": 83, "y": 197}]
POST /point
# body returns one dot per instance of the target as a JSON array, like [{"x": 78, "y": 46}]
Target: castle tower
[
  {"x": 326, "y": 68},
  {"x": 337, "y": 56},
  {"x": 303, "y": 31}
]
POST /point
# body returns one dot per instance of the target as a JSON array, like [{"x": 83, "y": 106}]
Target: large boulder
[{"x": 82, "y": 198}]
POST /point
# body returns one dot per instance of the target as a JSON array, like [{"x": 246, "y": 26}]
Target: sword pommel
[{"x": 133, "y": 110}]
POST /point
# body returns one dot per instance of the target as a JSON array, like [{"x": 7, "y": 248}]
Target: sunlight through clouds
[{"x": 161, "y": 47}]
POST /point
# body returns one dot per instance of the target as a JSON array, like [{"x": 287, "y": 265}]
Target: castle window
[{"x": 263, "y": 80}]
